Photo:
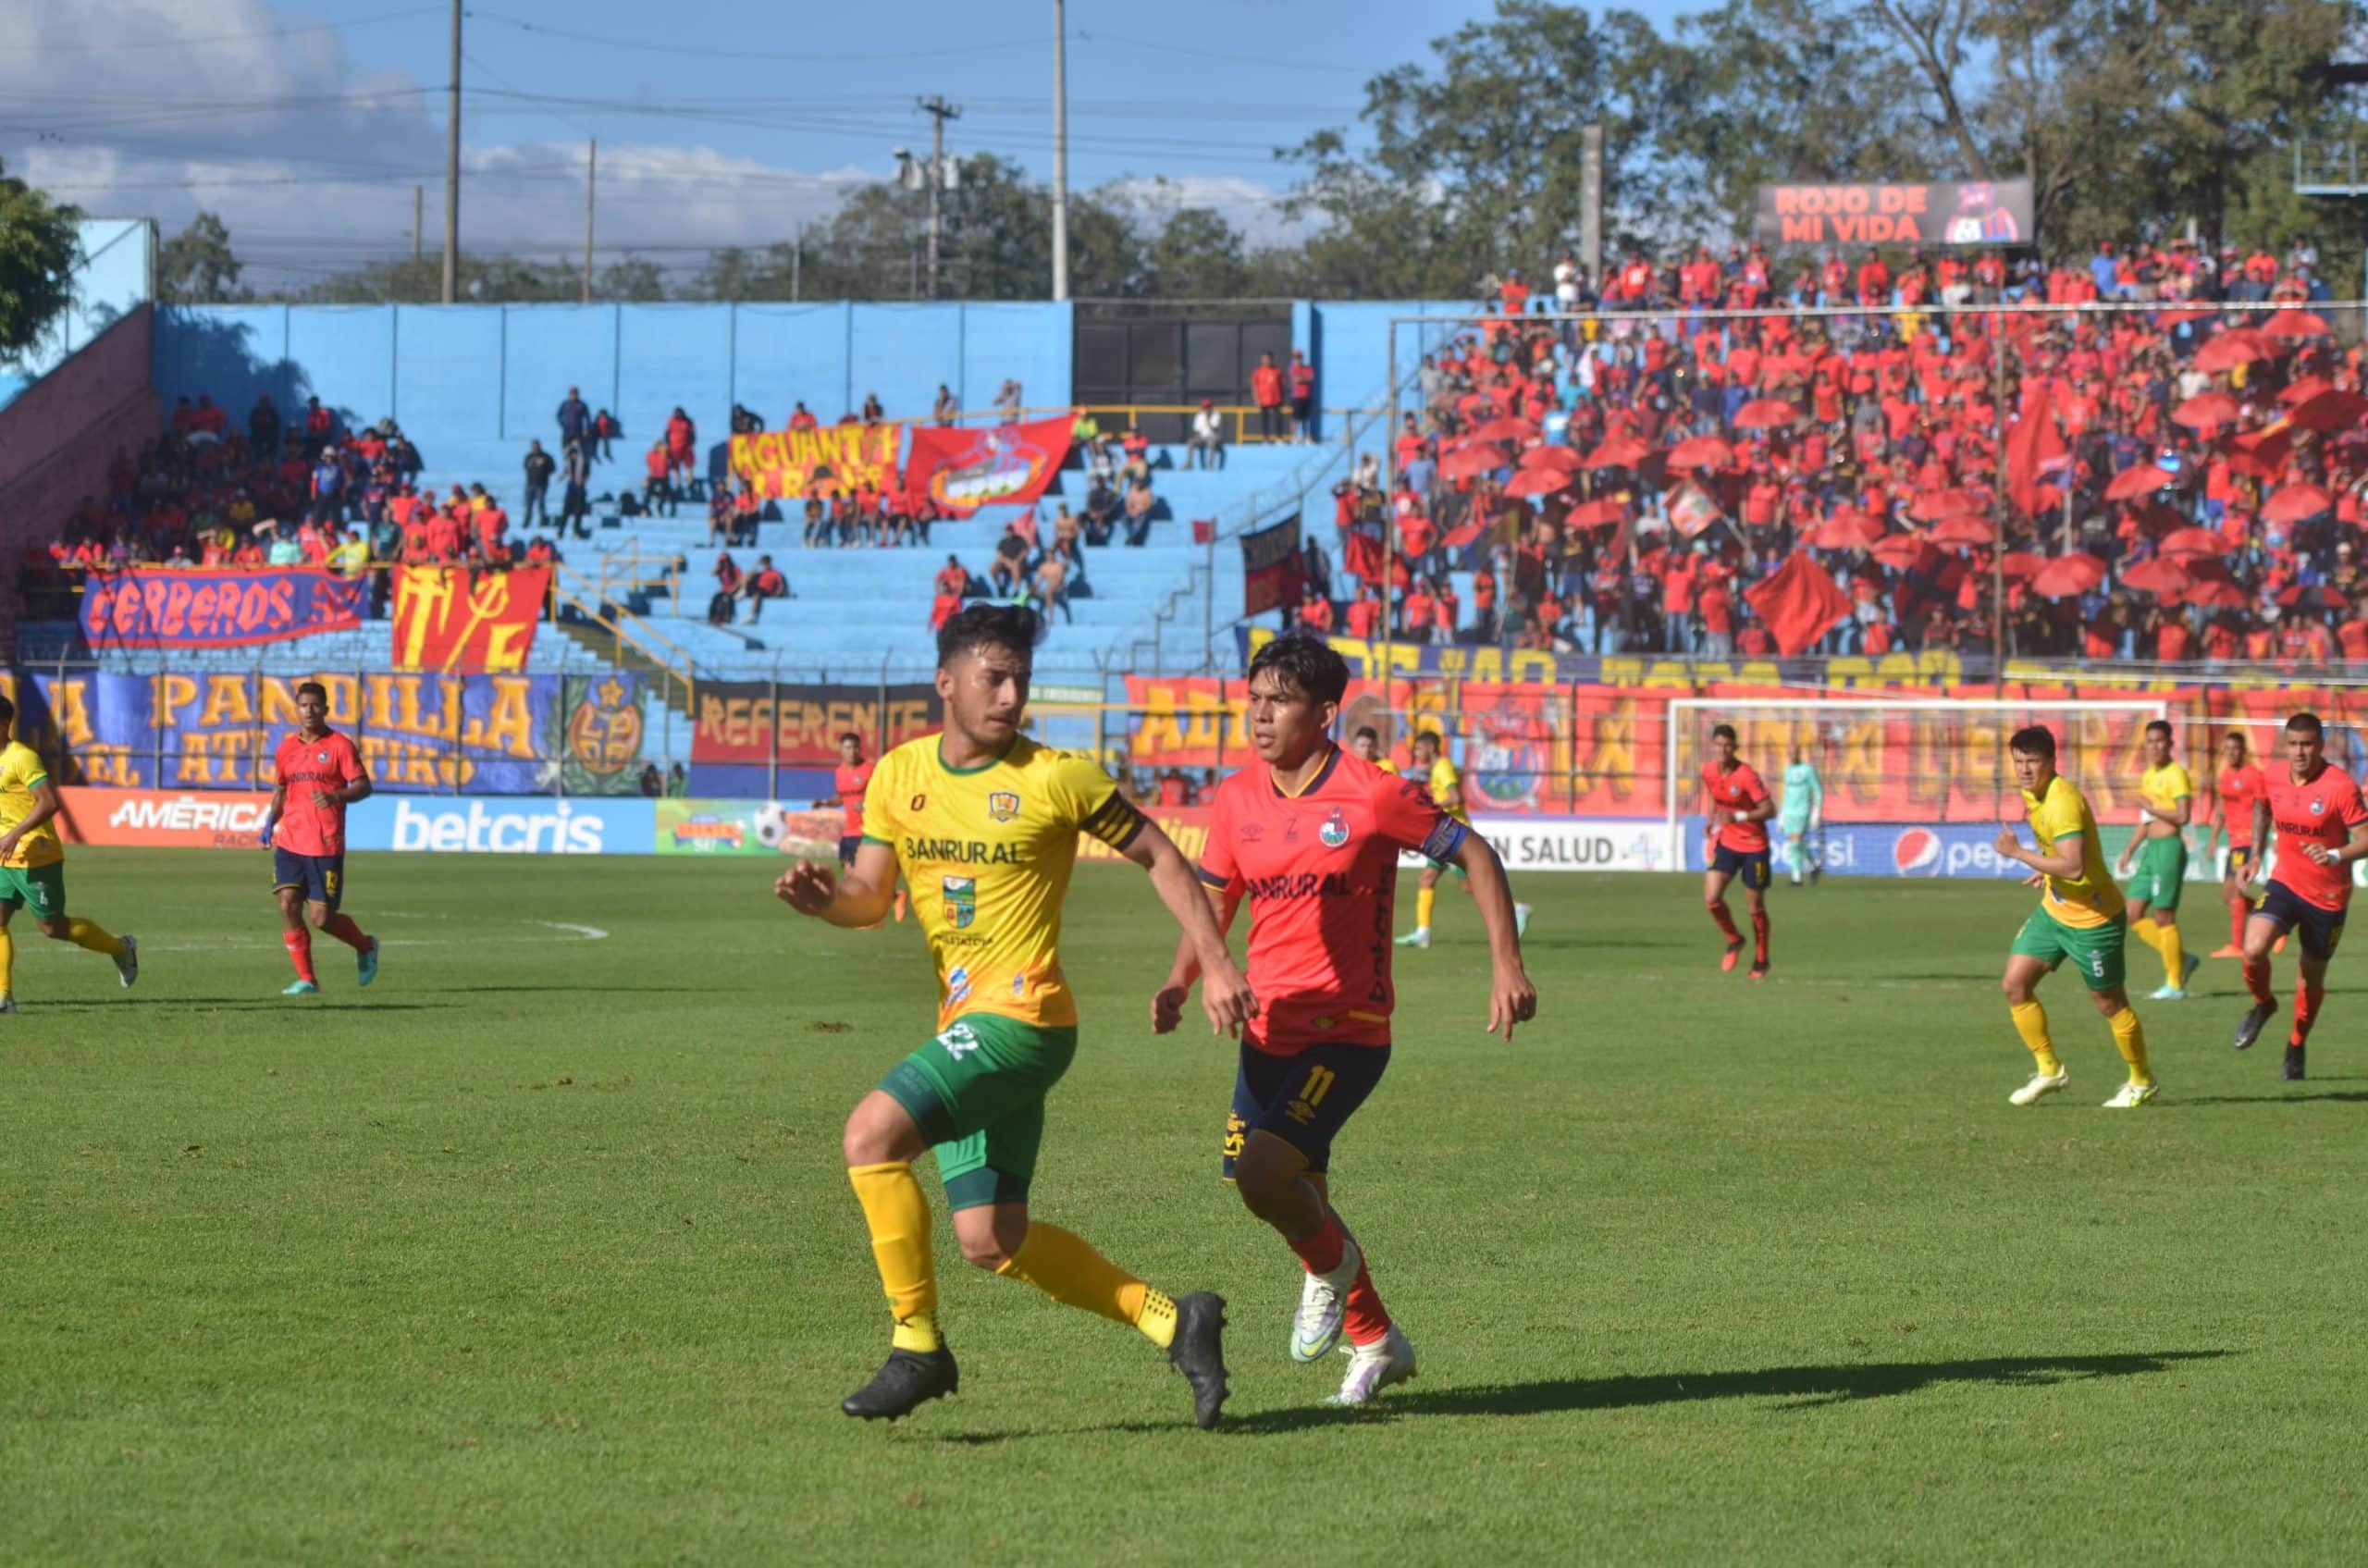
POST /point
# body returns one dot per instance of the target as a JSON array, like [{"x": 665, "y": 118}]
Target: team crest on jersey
[
  {"x": 322, "y": 758},
  {"x": 1335, "y": 832},
  {"x": 961, "y": 900},
  {"x": 2317, "y": 807},
  {"x": 1003, "y": 806}
]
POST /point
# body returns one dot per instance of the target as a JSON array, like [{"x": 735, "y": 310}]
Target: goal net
[{"x": 1910, "y": 763}]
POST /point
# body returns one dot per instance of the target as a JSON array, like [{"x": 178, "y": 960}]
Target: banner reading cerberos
[{"x": 792, "y": 464}]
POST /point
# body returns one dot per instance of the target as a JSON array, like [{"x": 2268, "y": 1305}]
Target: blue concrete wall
[
  {"x": 1349, "y": 344},
  {"x": 473, "y": 372}
]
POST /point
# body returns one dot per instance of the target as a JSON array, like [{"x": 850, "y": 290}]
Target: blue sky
[{"x": 305, "y": 126}]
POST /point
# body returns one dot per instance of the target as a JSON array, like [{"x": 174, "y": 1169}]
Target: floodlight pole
[
  {"x": 1060, "y": 150},
  {"x": 452, "y": 170}
]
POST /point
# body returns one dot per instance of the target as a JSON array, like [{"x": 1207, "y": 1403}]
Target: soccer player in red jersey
[
  {"x": 852, "y": 779},
  {"x": 2240, "y": 795},
  {"x": 1310, "y": 835},
  {"x": 1735, "y": 844},
  {"x": 2322, "y": 828},
  {"x": 320, "y": 775}
]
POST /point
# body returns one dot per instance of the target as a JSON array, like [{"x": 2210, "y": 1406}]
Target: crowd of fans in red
[{"x": 2187, "y": 483}]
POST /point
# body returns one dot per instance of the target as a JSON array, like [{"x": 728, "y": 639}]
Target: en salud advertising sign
[{"x": 1995, "y": 212}]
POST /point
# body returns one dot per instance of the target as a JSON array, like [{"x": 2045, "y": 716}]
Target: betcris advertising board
[{"x": 501, "y": 824}]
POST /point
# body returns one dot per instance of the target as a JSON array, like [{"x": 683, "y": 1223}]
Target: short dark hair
[
  {"x": 2033, "y": 740},
  {"x": 847, "y": 735},
  {"x": 2242, "y": 744},
  {"x": 2308, "y": 723},
  {"x": 1310, "y": 664},
  {"x": 315, "y": 688},
  {"x": 2162, "y": 724},
  {"x": 1431, "y": 735},
  {"x": 1365, "y": 731},
  {"x": 1014, "y": 627},
  {"x": 8, "y": 712},
  {"x": 1723, "y": 732}
]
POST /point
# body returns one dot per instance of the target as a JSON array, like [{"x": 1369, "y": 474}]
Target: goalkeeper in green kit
[{"x": 1801, "y": 813}]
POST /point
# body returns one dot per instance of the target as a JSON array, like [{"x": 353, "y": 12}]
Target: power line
[
  {"x": 119, "y": 47},
  {"x": 644, "y": 46}
]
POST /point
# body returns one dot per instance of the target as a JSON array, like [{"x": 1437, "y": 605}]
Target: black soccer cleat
[
  {"x": 1199, "y": 1352},
  {"x": 2293, "y": 1062},
  {"x": 904, "y": 1381},
  {"x": 1758, "y": 971},
  {"x": 2250, "y": 1029}
]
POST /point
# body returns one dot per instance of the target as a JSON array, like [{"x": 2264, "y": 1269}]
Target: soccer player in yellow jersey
[
  {"x": 2166, "y": 799},
  {"x": 2080, "y": 917},
  {"x": 983, "y": 823},
  {"x": 1367, "y": 745},
  {"x": 32, "y": 866},
  {"x": 1447, "y": 792}
]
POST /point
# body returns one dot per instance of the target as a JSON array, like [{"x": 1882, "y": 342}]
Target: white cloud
[{"x": 1254, "y": 208}]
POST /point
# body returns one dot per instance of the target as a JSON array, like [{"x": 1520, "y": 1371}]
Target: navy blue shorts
[
  {"x": 1303, "y": 1100},
  {"x": 321, "y": 876},
  {"x": 2241, "y": 858},
  {"x": 1751, "y": 868},
  {"x": 848, "y": 847},
  {"x": 2319, "y": 929}
]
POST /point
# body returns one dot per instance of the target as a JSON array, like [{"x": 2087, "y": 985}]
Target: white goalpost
[{"x": 1925, "y": 761}]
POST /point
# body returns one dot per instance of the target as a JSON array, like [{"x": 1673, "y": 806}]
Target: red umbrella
[
  {"x": 2178, "y": 317},
  {"x": 2333, "y": 409},
  {"x": 2239, "y": 346},
  {"x": 1934, "y": 505},
  {"x": 1903, "y": 552},
  {"x": 2022, "y": 564},
  {"x": 2139, "y": 479},
  {"x": 1537, "y": 482},
  {"x": 1556, "y": 457},
  {"x": 1470, "y": 462},
  {"x": 2302, "y": 392},
  {"x": 1962, "y": 531},
  {"x": 1849, "y": 528},
  {"x": 1504, "y": 427},
  {"x": 2313, "y": 596},
  {"x": 2295, "y": 502},
  {"x": 2196, "y": 542},
  {"x": 2158, "y": 576},
  {"x": 1702, "y": 451},
  {"x": 1620, "y": 452},
  {"x": 2216, "y": 595},
  {"x": 2068, "y": 574},
  {"x": 1598, "y": 513},
  {"x": 2294, "y": 325},
  {"x": 1765, "y": 414},
  {"x": 2206, "y": 410}
]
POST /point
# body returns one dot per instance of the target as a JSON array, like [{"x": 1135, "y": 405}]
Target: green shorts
[
  {"x": 2160, "y": 873},
  {"x": 42, "y": 887},
  {"x": 977, "y": 1092},
  {"x": 2095, "y": 951}
]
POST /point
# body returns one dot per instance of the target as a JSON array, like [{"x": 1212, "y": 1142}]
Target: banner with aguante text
[
  {"x": 963, "y": 470},
  {"x": 757, "y": 723},
  {"x": 827, "y": 461},
  {"x": 450, "y": 618},
  {"x": 156, "y": 607},
  {"x": 1990, "y": 212}
]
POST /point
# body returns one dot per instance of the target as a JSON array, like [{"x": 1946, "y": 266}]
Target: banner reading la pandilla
[
  {"x": 167, "y": 609},
  {"x": 1993, "y": 212}
]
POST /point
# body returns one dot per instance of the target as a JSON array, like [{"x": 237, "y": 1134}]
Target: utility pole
[
  {"x": 939, "y": 111},
  {"x": 591, "y": 183},
  {"x": 1591, "y": 204},
  {"x": 1060, "y": 150},
  {"x": 418, "y": 204},
  {"x": 452, "y": 170}
]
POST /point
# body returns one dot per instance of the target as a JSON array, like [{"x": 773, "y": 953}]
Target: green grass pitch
[{"x": 541, "y": 1251}]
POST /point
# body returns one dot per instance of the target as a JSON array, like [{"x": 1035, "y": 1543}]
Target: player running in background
[
  {"x": 2080, "y": 917},
  {"x": 1367, "y": 747},
  {"x": 32, "y": 865},
  {"x": 2240, "y": 804},
  {"x": 1736, "y": 845},
  {"x": 2166, "y": 801},
  {"x": 2322, "y": 828},
  {"x": 850, "y": 780},
  {"x": 1803, "y": 814},
  {"x": 320, "y": 775},
  {"x": 1311, "y": 836},
  {"x": 984, "y": 823},
  {"x": 1446, "y": 782}
]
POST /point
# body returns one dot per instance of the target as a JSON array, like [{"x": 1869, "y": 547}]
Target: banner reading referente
[
  {"x": 1997, "y": 211},
  {"x": 753, "y": 722}
]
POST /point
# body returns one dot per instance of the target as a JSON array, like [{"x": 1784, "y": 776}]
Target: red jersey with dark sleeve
[
  {"x": 1738, "y": 789},
  {"x": 2237, "y": 789},
  {"x": 2324, "y": 811},
  {"x": 849, "y": 783},
  {"x": 328, "y": 764},
  {"x": 1320, "y": 871}
]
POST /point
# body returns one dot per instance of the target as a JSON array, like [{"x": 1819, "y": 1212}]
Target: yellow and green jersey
[
  {"x": 20, "y": 770},
  {"x": 2163, "y": 788},
  {"x": 1446, "y": 783},
  {"x": 987, "y": 853},
  {"x": 2059, "y": 812}
]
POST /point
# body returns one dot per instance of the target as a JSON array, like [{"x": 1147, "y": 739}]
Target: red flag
[
  {"x": 1361, "y": 555},
  {"x": 458, "y": 620},
  {"x": 2033, "y": 443},
  {"x": 1799, "y": 604}
]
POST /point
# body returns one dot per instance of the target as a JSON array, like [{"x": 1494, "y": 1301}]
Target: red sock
[
  {"x": 1321, "y": 1252},
  {"x": 2257, "y": 981},
  {"x": 2306, "y": 1010},
  {"x": 1726, "y": 923},
  {"x": 1363, "y": 1318},
  {"x": 341, "y": 926},
  {"x": 300, "y": 951},
  {"x": 1760, "y": 936},
  {"x": 2238, "y": 909}
]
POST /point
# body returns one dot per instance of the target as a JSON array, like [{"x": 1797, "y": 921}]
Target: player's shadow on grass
[
  {"x": 256, "y": 1005},
  {"x": 2346, "y": 1097},
  {"x": 633, "y": 990}
]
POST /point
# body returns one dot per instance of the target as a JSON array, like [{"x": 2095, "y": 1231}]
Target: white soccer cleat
[
  {"x": 1374, "y": 1367},
  {"x": 2166, "y": 993},
  {"x": 2041, "y": 1086},
  {"x": 1419, "y": 938},
  {"x": 1521, "y": 920},
  {"x": 2133, "y": 1095},
  {"x": 126, "y": 963},
  {"x": 1323, "y": 1305}
]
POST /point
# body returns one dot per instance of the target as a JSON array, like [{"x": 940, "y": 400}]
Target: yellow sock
[
  {"x": 1424, "y": 899},
  {"x": 2129, "y": 1035},
  {"x": 898, "y": 1215},
  {"x": 1064, "y": 1266},
  {"x": 8, "y": 962},
  {"x": 2147, "y": 931},
  {"x": 2031, "y": 1022},
  {"x": 93, "y": 935},
  {"x": 2173, "y": 952}
]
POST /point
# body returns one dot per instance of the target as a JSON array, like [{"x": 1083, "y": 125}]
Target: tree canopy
[{"x": 39, "y": 248}]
